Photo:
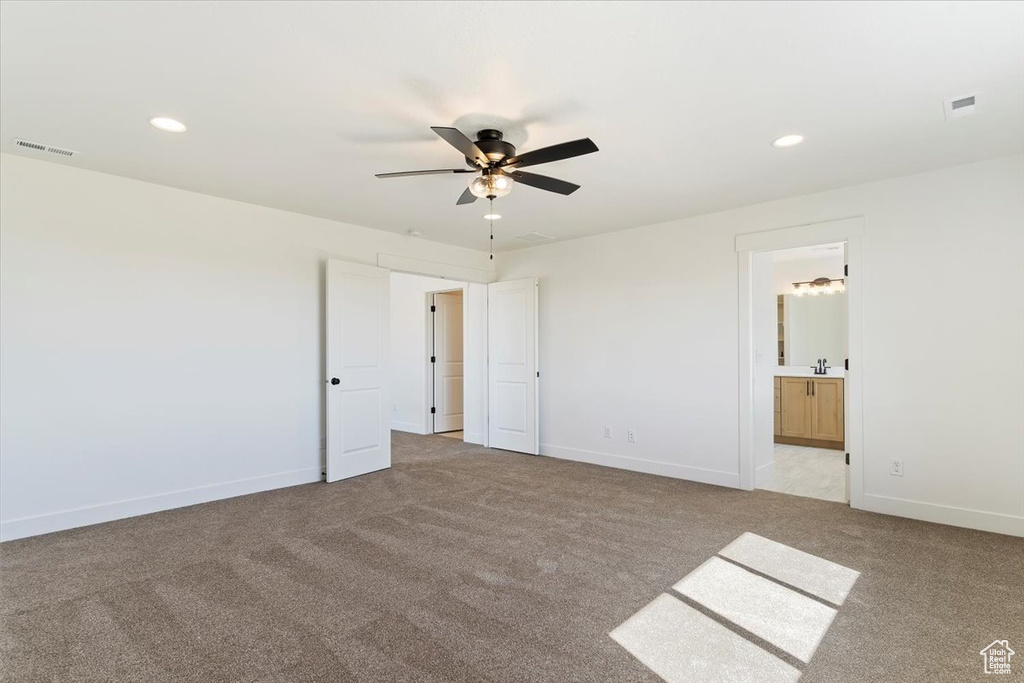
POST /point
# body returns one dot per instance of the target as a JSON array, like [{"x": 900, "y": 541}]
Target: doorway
[
  {"x": 806, "y": 311},
  {"x": 379, "y": 376},
  {"x": 437, "y": 356},
  {"x": 800, "y": 421}
]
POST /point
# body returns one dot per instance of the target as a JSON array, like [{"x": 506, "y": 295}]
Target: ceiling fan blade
[
  {"x": 543, "y": 182},
  {"x": 544, "y": 155},
  {"x": 455, "y": 138},
  {"x": 403, "y": 174},
  {"x": 466, "y": 197}
]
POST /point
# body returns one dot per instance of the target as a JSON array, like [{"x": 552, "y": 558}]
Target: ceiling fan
[{"x": 497, "y": 164}]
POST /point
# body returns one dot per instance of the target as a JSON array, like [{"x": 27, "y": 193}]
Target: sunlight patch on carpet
[
  {"x": 682, "y": 645},
  {"x": 784, "y": 618},
  {"x": 758, "y": 622},
  {"x": 812, "y": 574}
]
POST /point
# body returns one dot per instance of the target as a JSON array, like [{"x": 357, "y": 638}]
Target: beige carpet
[{"x": 464, "y": 564}]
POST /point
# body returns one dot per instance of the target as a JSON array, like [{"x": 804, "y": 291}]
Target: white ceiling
[{"x": 296, "y": 105}]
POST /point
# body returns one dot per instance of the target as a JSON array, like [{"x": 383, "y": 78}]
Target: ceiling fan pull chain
[{"x": 491, "y": 214}]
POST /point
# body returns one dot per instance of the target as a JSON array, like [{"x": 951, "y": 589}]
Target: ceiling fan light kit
[
  {"x": 497, "y": 164},
  {"x": 491, "y": 185}
]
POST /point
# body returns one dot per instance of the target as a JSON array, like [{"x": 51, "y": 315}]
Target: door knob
[{"x": 335, "y": 381}]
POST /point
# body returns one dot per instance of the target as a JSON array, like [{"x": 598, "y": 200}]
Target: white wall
[
  {"x": 159, "y": 347},
  {"x": 409, "y": 379},
  {"x": 639, "y": 329}
]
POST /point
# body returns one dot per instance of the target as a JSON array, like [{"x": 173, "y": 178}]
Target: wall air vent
[
  {"x": 961, "y": 106},
  {"x": 40, "y": 147},
  {"x": 534, "y": 237}
]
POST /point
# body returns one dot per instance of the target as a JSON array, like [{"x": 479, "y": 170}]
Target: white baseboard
[
  {"x": 945, "y": 514},
  {"x": 106, "y": 512},
  {"x": 665, "y": 469},
  {"x": 764, "y": 474},
  {"x": 410, "y": 427}
]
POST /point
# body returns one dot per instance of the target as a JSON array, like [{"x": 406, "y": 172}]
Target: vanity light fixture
[{"x": 821, "y": 285}]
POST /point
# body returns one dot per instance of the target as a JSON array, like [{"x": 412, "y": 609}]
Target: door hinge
[
  {"x": 433, "y": 359},
  {"x": 847, "y": 458},
  {"x": 846, "y": 364},
  {"x": 433, "y": 410},
  {"x": 846, "y": 269},
  {"x": 538, "y": 374},
  {"x": 433, "y": 309}
]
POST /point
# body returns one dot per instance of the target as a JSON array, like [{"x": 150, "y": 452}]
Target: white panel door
[
  {"x": 358, "y": 430},
  {"x": 512, "y": 365},
  {"x": 447, "y": 367}
]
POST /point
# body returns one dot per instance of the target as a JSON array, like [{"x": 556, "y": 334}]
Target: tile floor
[{"x": 810, "y": 472}]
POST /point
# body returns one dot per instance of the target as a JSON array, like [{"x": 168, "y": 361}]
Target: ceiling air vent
[
  {"x": 534, "y": 237},
  {"x": 40, "y": 147},
  {"x": 961, "y": 106}
]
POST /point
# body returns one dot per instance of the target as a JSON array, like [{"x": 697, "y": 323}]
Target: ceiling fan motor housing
[{"x": 490, "y": 143}]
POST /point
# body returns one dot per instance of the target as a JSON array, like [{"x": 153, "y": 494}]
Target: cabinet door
[
  {"x": 827, "y": 409},
  {"x": 796, "y": 407},
  {"x": 778, "y": 407}
]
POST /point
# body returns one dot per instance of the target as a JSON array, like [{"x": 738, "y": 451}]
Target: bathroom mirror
[{"x": 811, "y": 327}]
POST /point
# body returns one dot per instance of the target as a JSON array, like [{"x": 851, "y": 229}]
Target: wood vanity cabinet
[
  {"x": 827, "y": 416},
  {"x": 778, "y": 406},
  {"x": 809, "y": 411}
]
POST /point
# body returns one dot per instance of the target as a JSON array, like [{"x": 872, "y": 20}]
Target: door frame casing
[{"x": 851, "y": 231}]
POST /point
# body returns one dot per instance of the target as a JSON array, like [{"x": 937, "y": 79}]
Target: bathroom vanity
[{"x": 809, "y": 408}]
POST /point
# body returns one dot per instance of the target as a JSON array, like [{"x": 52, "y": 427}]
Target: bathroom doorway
[
  {"x": 759, "y": 345},
  {"x": 801, "y": 300}
]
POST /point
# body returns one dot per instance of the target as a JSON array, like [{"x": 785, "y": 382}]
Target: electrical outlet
[
  {"x": 896, "y": 467},
  {"x": 631, "y": 436},
  {"x": 607, "y": 432}
]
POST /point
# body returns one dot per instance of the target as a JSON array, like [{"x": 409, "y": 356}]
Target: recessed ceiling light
[
  {"x": 492, "y": 216},
  {"x": 413, "y": 233},
  {"x": 788, "y": 141},
  {"x": 169, "y": 125}
]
